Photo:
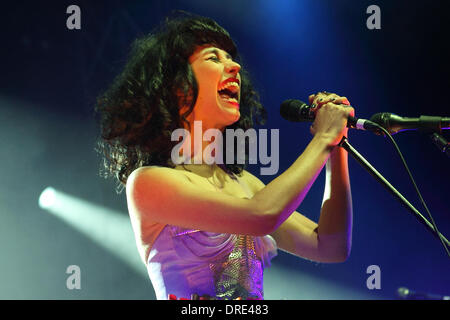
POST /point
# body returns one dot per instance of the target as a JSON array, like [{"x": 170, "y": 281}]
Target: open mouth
[
  {"x": 229, "y": 96},
  {"x": 229, "y": 92}
]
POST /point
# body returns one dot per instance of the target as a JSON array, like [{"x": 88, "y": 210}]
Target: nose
[{"x": 233, "y": 67}]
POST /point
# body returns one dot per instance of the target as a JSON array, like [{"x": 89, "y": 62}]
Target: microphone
[
  {"x": 298, "y": 111},
  {"x": 394, "y": 123},
  {"x": 405, "y": 293}
]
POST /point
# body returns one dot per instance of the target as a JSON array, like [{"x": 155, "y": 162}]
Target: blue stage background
[{"x": 52, "y": 75}]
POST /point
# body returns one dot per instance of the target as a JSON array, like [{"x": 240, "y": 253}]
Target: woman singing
[{"x": 209, "y": 230}]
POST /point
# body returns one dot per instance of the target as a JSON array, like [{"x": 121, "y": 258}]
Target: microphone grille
[{"x": 294, "y": 110}]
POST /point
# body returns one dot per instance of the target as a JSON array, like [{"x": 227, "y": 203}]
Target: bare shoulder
[
  {"x": 153, "y": 174},
  {"x": 168, "y": 196},
  {"x": 151, "y": 182},
  {"x": 254, "y": 183},
  {"x": 154, "y": 170}
]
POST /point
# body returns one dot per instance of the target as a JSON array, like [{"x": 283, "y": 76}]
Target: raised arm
[
  {"x": 329, "y": 240},
  {"x": 167, "y": 196}
]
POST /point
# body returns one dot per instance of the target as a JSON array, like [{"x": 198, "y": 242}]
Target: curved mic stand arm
[{"x": 364, "y": 163}]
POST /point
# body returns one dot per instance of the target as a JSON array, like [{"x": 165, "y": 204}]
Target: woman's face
[{"x": 218, "y": 80}]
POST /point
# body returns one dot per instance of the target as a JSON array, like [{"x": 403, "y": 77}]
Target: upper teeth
[{"x": 228, "y": 85}]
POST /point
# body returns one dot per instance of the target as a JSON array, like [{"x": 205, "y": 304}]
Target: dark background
[{"x": 50, "y": 77}]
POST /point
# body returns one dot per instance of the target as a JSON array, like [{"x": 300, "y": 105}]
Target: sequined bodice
[{"x": 226, "y": 266}]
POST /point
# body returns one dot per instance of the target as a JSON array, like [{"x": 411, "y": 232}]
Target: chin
[
  {"x": 229, "y": 114},
  {"x": 238, "y": 116},
  {"x": 230, "y": 119}
]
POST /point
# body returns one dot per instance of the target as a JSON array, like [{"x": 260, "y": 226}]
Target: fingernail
[{"x": 345, "y": 101}]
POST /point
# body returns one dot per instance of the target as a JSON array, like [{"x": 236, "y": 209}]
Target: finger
[
  {"x": 331, "y": 105},
  {"x": 321, "y": 98},
  {"x": 314, "y": 98},
  {"x": 342, "y": 100},
  {"x": 335, "y": 99},
  {"x": 324, "y": 95},
  {"x": 318, "y": 103},
  {"x": 324, "y": 99},
  {"x": 332, "y": 96},
  {"x": 350, "y": 111}
]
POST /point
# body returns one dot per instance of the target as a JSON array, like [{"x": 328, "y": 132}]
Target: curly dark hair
[{"x": 139, "y": 111}]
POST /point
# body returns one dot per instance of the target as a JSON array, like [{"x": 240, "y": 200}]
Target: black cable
[{"x": 415, "y": 186}]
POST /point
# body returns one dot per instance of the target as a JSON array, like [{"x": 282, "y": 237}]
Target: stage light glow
[
  {"x": 109, "y": 229},
  {"x": 47, "y": 198}
]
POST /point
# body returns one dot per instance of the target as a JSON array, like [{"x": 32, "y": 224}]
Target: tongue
[{"x": 224, "y": 96}]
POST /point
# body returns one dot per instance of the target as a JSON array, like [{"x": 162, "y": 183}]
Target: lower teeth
[{"x": 230, "y": 99}]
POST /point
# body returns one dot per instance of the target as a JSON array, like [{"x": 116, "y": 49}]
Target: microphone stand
[
  {"x": 441, "y": 143},
  {"x": 364, "y": 163}
]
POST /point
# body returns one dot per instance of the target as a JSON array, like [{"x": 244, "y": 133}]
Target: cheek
[{"x": 208, "y": 77}]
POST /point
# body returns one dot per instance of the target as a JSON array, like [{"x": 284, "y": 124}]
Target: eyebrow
[{"x": 216, "y": 52}]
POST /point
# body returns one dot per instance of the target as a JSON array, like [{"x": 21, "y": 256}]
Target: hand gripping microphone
[{"x": 298, "y": 111}]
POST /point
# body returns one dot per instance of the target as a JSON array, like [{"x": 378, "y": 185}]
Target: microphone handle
[
  {"x": 430, "y": 124},
  {"x": 355, "y": 123},
  {"x": 363, "y": 124},
  {"x": 352, "y": 122},
  {"x": 427, "y": 124}
]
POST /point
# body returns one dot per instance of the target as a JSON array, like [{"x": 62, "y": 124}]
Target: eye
[{"x": 214, "y": 58}]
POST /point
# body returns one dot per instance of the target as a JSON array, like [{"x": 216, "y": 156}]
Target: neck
[{"x": 199, "y": 149}]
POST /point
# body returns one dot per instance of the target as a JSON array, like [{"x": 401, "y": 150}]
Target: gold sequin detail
[{"x": 241, "y": 274}]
